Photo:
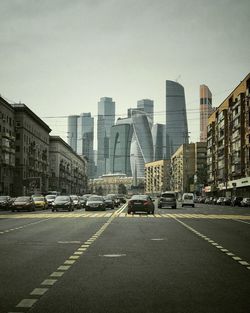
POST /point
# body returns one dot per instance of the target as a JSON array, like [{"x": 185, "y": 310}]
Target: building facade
[
  {"x": 205, "y": 110},
  {"x": 120, "y": 143},
  {"x": 159, "y": 141},
  {"x": 176, "y": 118},
  {"x": 228, "y": 144},
  {"x": 114, "y": 183},
  {"x": 183, "y": 169},
  {"x": 157, "y": 176},
  {"x": 32, "y": 152},
  {"x": 85, "y": 142},
  {"x": 72, "y": 131},
  {"x": 141, "y": 150},
  {"x": 7, "y": 148},
  {"x": 147, "y": 106},
  {"x": 67, "y": 169},
  {"x": 106, "y": 119}
]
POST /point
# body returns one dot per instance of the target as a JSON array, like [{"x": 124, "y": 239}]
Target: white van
[{"x": 188, "y": 199}]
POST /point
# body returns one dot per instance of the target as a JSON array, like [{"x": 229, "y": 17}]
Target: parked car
[
  {"x": 76, "y": 201},
  {"x": 5, "y": 202},
  {"x": 215, "y": 200},
  {"x": 40, "y": 202},
  {"x": 236, "y": 201},
  {"x": 188, "y": 199},
  {"x": 63, "y": 203},
  {"x": 95, "y": 203},
  {"x": 245, "y": 202},
  {"x": 167, "y": 199},
  {"x": 50, "y": 199},
  {"x": 208, "y": 200},
  {"x": 141, "y": 203},
  {"x": 109, "y": 202},
  {"x": 227, "y": 201},
  {"x": 220, "y": 200},
  {"x": 24, "y": 203}
]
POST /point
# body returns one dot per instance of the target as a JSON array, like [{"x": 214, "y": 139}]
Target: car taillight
[{"x": 146, "y": 202}]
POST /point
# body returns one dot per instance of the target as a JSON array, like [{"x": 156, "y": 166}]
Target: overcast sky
[{"x": 59, "y": 56}]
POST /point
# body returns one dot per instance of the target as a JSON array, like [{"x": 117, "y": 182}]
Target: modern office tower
[
  {"x": 205, "y": 110},
  {"x": 72, "y": 131},
  {"x": 159, "y": 141},
  {"x": 176, "y": 117},
  {"x": 147, "y": 106},
  {"x": 141, "y": 150},
  {"x": 106, "y": 119},
  {"x": 120, "y": 142},
  {"x": 85, "y": 142}
]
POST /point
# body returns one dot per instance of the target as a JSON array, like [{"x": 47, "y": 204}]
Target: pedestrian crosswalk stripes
[{"x": 123, "y": 215}]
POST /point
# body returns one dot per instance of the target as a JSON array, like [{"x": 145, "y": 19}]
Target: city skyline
[{"x": 59, "y": 58}]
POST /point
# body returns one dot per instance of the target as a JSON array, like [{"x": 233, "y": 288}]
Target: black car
[
  {"x": 24, "y": 203},
  {"x": 141, "y": 203},
  {"x": 236, "y": 201},
  {"x": 109, "y": 202},
  {"x": 63, "y": 203},
  {"x": 95, "y": 203},
  {"x": 5, "y": 202}
]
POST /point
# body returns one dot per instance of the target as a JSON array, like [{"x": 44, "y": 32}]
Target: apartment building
[
  {"x": 32, "y": 152},
  {"x": 183, "y": 169},
  {"x": 7, "y": 148},
  {"x": 228, "y": 144},
  {"x": 157, "y": 176},
  {"x": 68, "y": 170}
]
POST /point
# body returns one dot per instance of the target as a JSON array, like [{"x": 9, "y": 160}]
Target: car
[
  {"x": 141, "y": 203},
  {"x": 40, "y": 202},
  {"x": 76, "y": 201},
  {"x": 83, "y": 200},
  {"x": 121, "y": 198},
  {"x": 95, "y": 203},
  {"x": 5, "y": 202},
  {"x": 236, "y": 201},
  {"x": 50, "y": 199},
  {"x": 109, "y": 202},
  {"x": 188, "y": 199},
  {"x": 220, "y": 200},
  {"x": 167, "y": 199},
  {"x": 114, "y": 197},
  {"x": 63, "y": 203},
  {"x": 227, "y": 201},
  {"x": 23, "y": 203},
  {"x": 245, "y": 202}
]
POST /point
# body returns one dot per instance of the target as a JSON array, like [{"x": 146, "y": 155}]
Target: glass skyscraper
[
  {"x": 141, "y": 150},
  {"x": 72, "y": 131},
  {"x": 176, "y": 117},
  {"x": 120, "y": 143},
  {"x": 205, "y": 110},
  {"x": 106, "y": 119},
  {"x": 85, "y": 142}
]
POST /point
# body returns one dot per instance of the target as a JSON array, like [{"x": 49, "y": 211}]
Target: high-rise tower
[
  {"x": 72, "y": 131},
  {"x": 85, "y": 142},
  {"x": 106, "y": 119},
  {"x": 176, "y": 117},
  {"x": 205, "y": 110},
  {"x": 147, "y": 105}
]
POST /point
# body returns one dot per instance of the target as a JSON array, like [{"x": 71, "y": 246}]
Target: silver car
[{"x": 167, "y": 199}]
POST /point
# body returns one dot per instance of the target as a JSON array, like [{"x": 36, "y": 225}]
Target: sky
[{"x": 60, "y": 57}]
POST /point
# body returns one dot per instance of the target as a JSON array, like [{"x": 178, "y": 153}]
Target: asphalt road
[{"x": 183, "y": 260}]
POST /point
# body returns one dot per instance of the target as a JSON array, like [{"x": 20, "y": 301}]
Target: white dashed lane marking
[{"x": 215, "y": 244}]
